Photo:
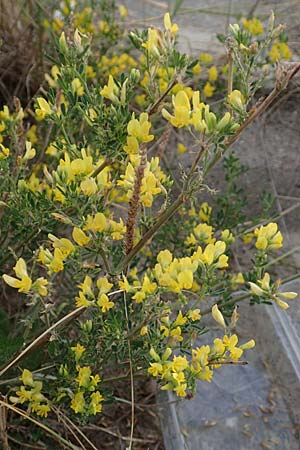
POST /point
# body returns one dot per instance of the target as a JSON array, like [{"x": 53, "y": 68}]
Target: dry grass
[{"x": 21, "y": 56}]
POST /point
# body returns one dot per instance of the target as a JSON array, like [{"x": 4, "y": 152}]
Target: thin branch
[{"x": 131, "y": 376}]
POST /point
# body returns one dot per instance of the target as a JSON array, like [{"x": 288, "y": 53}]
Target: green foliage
[{"x": 113, "y": 254}]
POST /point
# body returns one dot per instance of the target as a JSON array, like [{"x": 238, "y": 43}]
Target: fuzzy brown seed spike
[{"x": 134, "y": 202}]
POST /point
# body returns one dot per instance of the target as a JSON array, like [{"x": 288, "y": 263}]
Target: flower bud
[
  {"x": 167, "y": 353},
  {"x": 248, "y": 345},
  {"x": 134, "y": 76},
  {"x": 154, "y": 355},
  {"x": 87, "y": 326},
  {"x": 77, "y": 40},
  {"x": 218, "y": 316},
  {"x": 254, "y": 289},
  {"x": 63, "y": 43}
]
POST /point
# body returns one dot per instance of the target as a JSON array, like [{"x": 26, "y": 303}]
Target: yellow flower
[
  {"x": 139, "y": 296},
  {"x": 179, "y": 363},
  {"x": 29, "y": 151},
  {"x": 96, "y": 223},
  {"x": 81, "y": 300},
  {"x": 254, "y": 26},
  {"x": 254, "y": 289},
  {"x": 140, "y": 128},
  {"x": 144, "y": 330},
  {"x": 194, "y": 314},
  {"x": 181, "y": 148},
  {"x": 80, "y": 237},
  {"x": 208, "y": 90},
  {"x": 24, "y": 395},
  {"x": 124, "y": 285},
  {"x": 95, "y": 403},
  {"x": 181, "y": 390},
  {"x": 248, "y": 345},
  {"x": 185, "y": 279},
  {"x": 89, "y": 186},
  {"x": 205, "y": 58},
  {"x": 43, "y": 110},
  {"x": 205, "y": 212},
  {"x": 153, "y": 43},
  {"x": 78, "y": 403},
  {"x": 104, "y": 303},
  {"x": 172, "y": 28},
  {"x": 176, "y": 335},
  {"x": 227, "y": 236},
  {"x": 148, "y": 287},
  {"x": 23, "y": 282},
  {"x": 111, "y": 90},
  {"x": 40, "y": 286},
  {"x": 268, "y": 237},
  {"x": 56, "y": 264},
  {"x": 155, "y": 369},
  {"x": 196, "y": 69},
  {"x": 4, "y": 152},
  {"x": 247, "y": 238},
  {"x": 84, "y": 376},
  {"x": 280, "y": 50},
  {"x": 182, "y": 110},
  {"x": 238, "y": 278},
  {"x": 180, "y": 320},
  {"x": 104, "y": 285},
  {"x": 65, "y": 245},
  {"x": 123, "y": 11},
  {"x": 78, "y": 351},
  {"x": 90, "y": 73},
  {"x": 164, "y": 258},
  {"x": 77, "y": 87},
  {"x": 27, "y": 378},
  {"x": 236, "y": 100},
  {"x": 42, "y": 409},
  {"x": 212, "y": 74}
]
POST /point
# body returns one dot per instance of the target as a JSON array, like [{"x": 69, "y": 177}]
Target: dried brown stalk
[{"x": 134, "y": 202}]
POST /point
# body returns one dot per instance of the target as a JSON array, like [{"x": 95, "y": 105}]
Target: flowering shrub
[{"x": 100, "y": 228}]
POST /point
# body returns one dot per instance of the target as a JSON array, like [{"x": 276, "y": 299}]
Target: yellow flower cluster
[
  {"x": 31, "y": 392},
  {"x": 99, "y": 223},
  {"x": 83, "y": 402},
  {"x": 115, "y": 65},
  {"x": 279, "y": 50},
  {"x": 262, "y": 288},
  {"x": 138, "y": 132},
  {"x": 157, "y": 41},
  {"x": 173, "y": 330},
  {"x": 199, "y": 115},
  {"x": 202, "y": 234},
  {"x": 176, "y": 274},
  {"x": 80, "y": 171},
  {"x": 179, "y": 373},
  {"x": 23, "y": 282},
  {"x": 86, "y": 296},
  {"x": 63, "y": 247},
  {"x": 268, "y": 237},
  {"x": 254, "y": 26}
]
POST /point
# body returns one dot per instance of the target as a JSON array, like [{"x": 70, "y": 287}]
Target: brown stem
[
  {"x": 155, "y": 105},
  {"x": 43, "y": 338},
  {"x": 102, "y": 166},
  {"x": 282, "y": 79}
]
